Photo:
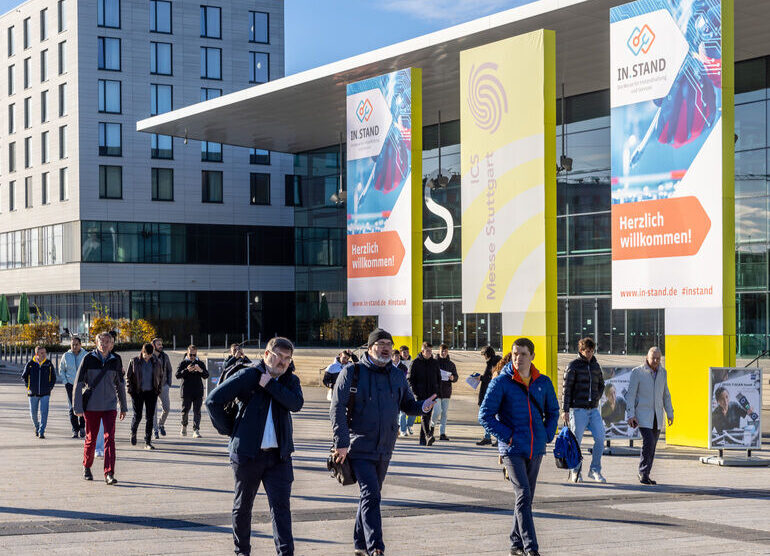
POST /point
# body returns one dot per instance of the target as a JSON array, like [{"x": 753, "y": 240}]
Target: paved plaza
[{"x": 448, "y": 499}]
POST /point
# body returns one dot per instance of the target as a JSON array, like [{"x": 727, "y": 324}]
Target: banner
[
  {"x": 666, "y": 140},
  {"x": 379, "y": 203},
  {"x": 614, "y": 406},
  {"x": 735, "y": 416},
  {"x": 507, "y": 133}
]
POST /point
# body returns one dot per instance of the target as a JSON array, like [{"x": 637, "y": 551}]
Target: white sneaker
[
  {"x": 402, "y": 434},
  {"x": 183, "y": 432},
  {"x": 596, "y": 476},
  {"x": 99, "y": 454},
  {"x": 196, "y": 434},
  {"x": 575, "y": 477},
  {"x": 409, "y": 431}
]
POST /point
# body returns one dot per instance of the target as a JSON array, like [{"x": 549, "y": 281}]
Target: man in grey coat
[
  {"x": 165, "y": 399},
  {"x": 647, "y": 398}
]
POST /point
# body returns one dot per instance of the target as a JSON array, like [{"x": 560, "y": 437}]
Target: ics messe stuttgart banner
[
  {"x": 735, "y": 421},
  {"x": 667, "y": 190},
  {"x": 379, "y": 203}
]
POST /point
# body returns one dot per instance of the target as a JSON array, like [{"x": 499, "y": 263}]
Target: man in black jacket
[
  {"x": 583, "y": 388},
  {"x": 492, "y": 359},
  {"x": 448, "y": 376},
  {"x": 193, "y": 372},
  {"x": 165, "y": 399},
  {"x": 144, "y": 380},
  {"x": 363, "y": 430},
  {"x": 425, "y": 378},
  {"x": 261, "y": 439},
  {"x": 39, "y": 376}
]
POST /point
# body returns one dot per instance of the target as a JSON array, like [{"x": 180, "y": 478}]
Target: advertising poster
[
  {"x": 735, "y": 408},
  {"x": 666, "y": 141},
  {"x": 379, "y": 202},
  {"x": 613, "y": 405}
]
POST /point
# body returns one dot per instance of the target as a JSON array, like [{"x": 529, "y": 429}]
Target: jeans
[
  {"x": 406, "y": 421},
  {"x": 580, "y": 419},
  {"x": 77, "y": 423},
  {"x": 93, "y": 420},
  {"x": 196, "y": 407},
  {"x": 41, "y": 403},
  {"x": 440, "y": 413},
  {"x": 276, "y": 475},
  {"x": 425, "y": 426},
  {"x": 146, "y": 399},
  {"x": 370, "y": 474},
  {"x": 649, "y": 442},
  {"x": 523, "y": 472},
  {"x": 165, "y": 403},
  {"x": 100, "y": 440}
]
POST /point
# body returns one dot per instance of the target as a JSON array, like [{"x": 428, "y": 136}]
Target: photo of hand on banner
[{"x": 735, "y": 399}]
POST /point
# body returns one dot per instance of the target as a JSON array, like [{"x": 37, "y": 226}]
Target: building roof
[{"x": 306, "y": 110}]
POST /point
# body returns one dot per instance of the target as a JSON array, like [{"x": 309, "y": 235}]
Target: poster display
[
  {"x": 667, "y": 152},
  {"x": 735, "y": 408},
  {"x": 614, "y": 406}
]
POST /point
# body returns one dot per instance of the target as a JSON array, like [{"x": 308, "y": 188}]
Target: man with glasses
[
  {"x": 262, "y": 442},
  {"x": 364, "y": 430}
]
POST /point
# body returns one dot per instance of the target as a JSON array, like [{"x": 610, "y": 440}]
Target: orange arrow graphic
[
  {"x": 651, "y": 229},
  {"x": 375, "y": 254}
]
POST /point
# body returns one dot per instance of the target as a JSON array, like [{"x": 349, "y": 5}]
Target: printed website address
[
  {"x": 669, "y": 292},
  {"x": 380, "y": 302}
]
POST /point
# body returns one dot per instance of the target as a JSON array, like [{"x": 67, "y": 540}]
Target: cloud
[{"x": 451, "y": 11}]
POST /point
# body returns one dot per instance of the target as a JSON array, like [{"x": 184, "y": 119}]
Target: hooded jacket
[
  {"x": 510, "y": 412},
  {"x": 192, "y": 381},
  {"x": 371, "y": 431},
  {"x": 134, "y": 380},
  {"x": 583, "y": 384},
  {"x": 445, "y": 386},
  {"x": 39, "y": 377},
  {"x": 486, "y": 376},
  {"x": 424, "y": 377}
]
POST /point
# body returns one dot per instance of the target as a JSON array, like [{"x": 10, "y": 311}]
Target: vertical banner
[
  {"x": 614, "y": 405},
  {"x": 508, "y": 137},
  {"x": 382, "y": 159},
  {"x": 735, "y": 418}
]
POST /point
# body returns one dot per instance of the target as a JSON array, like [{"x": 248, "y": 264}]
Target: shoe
[
  {"x": 532, "y": 553},
  {"x": 576, "y": 476},
  {"x": 133, "y": 439},
  {"x": 597, "y": 476},
  {"x": 156, "y": 435},
  {"x": 196, "y": 434},
  {"x": 647, "y": 481},
  {"x": 148, "y": 446},
  {"x": 517, "y": 551},
  {"x": 402, "y": 434},
  {"x": 37, "y": 433},
  {"x": 484, "y": 442},
  {"x": 182, "y": 432},
  {"x": 87, "y": 474},
  {"x": 359, "y": 552},
  {"x": 378, "y": 552},
  {"x": 494, "y": 444},
  {"x": 162, "y": 431},
  {"x": 110, "y": 479},
  {"x": 409, "y": 431},
  {"x": 99, "y": 453},
  {"x": 82, "y": 433},
  {"x": 431, "y": 440},
  {"x": 444, "y": 437},
  {"x": 75, "y": 434},
  {"x": 41, "y": 436}
]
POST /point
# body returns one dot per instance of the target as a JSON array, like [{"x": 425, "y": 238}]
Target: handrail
[{"x": 764, "y": 353}]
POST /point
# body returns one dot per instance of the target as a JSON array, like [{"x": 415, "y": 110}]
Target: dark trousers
[
  {"x": 196, "y": 407},
  {"x": 370, "y": 474},
  {"x": 426, "y": 431},
  {"x": 76, "y": 422},
  {"x": 649, "y": 442},
  {"x": 523, "y": 475},
  {"x": 276, "y": 475},
  {"x": 148, "y": 400},
  {"x": 93, "y": 420}
]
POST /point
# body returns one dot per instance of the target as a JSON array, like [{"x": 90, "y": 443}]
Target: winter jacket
[
  {"x": 382, "y": 392},
  {"x": 192, "y": 381},
  {"x": 486, "y": 376},
  {"x": 401, "y": 365},
  {"x": 332, "y": 372},
  {"x": 134, "y": 379},
  {"x": 510, "y": 412},
  {"x": 232, "y": 360},
  {"x": 284, "y": 392},
  {"x": 648, "y": 396},
  {"x": 110, "y": 391},
  {"x": 165, "y": 364},
  {"x": 424, "y": 377},
  {"x": 69, "y": 364},
  {"x": 445, "y": 386},
  {"x": 39, "y": 377},
  {"x": 583, "y": 384}
]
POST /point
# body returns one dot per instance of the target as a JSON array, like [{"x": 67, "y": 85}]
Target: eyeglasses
[
  {"x": 382, "y": 344},
  {"x": 286, "y": 359}
]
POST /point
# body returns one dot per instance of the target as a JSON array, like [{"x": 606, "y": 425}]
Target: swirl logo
[{"x": 486, "y": 97}]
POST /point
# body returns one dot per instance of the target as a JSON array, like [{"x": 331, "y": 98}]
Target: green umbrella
[
  {"x": 5, "y": 314},
  {"x": 23, "y": 316}
]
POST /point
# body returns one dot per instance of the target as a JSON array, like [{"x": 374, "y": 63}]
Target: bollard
[
  {"x": 209, "y": 342},
  {"x": 243, "y": 339},
  {"x": 225, "y": 341},
  {"x": 174, "y": 340},
  {"x": 191, "y": 339}
]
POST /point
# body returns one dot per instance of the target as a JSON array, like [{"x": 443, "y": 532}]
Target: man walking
[
  {"x": 102, "y": 372},
  {"x": 448, "y": 376},
  {"x": 261, "y": 440},
  {"x": 40, "y": 377},
  {"x": 165, "y": 400},
  {"x": 68, "y": 368},
  {"x": 193, "y": 372},
  {"x": 363, "y": 430},
  {"x": 236, "y": 357},
  {"x": 491, "y": 359},
  {"x": 521, "y": 410},
  {"x": 583, "y": 388},
  {"x": 647, "y": 398},
  {"x": 145, "y": 379},
  {"x": 424, "y": 379}
]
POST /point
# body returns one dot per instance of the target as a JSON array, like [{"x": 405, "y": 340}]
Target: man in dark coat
[
  {"x": 39, "y": 377},
  {"x": 193, "y": 372},
  {"x": 425, "y": 379},
  {"x": 492, "y": 359},
  {"x": 448, "y": 376},
  {"x": 144, "y": 380}
]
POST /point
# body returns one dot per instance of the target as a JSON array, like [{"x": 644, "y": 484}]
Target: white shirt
[{"x": 269, "y": 440}]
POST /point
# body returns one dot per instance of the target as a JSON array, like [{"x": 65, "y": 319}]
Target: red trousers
[{"x": 93, "y": 419}]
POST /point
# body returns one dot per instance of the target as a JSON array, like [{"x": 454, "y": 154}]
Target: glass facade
[{"x": 42, "y": 246}]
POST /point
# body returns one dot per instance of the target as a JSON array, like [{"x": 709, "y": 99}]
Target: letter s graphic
[{"x": 446, "y": 216}]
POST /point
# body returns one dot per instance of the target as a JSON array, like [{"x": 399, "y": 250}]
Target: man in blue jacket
[
  {"x": 365, "y": 430},
  {"x": 68, "y": 369},
  {"x": 520, "y": 409},
  {"x": 39, "y": 376},
  {"x": 261, "y": 439}
]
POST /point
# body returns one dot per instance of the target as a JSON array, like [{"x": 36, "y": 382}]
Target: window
[
  {"x": 27, "y": 151},
  {"x": 62, "y": 57},
  {"x": 43, "y": 106},
  {"x": 62, "y": 141},
  {"x": 162, "y": 184},
  {"x": 44, "y": 66},
  {"x": 25, "y": 30},
  {"x": 45, "y": 193},
  {"x": 27, "y": 69},
  {"x": 258, "y": 27},
  {"x": 160, "y": 16},
  {"x": 44, "y": 157},
  {"x": 259, "y": 156},
  {"x": 208, "y": 93},
  {"x": 212, "y": 186},
  {"x": 260, "y": 189},
  {"x": 211, "y": 22},
  {"x": 258, "y": 67},
  {"x": 108, "y": 13},
  {"x": 11, "y": 80},
  {"x": 110, "y": 182},
  {"x": 110, "y": 141},
  {"x": 12, "y": 157},
  {"x": 11, "y": 44},
  {"x": 160, "y": 99},
  {"x": 160, "y": 58},
  {"x": 211, "y": 152},
  {"x": 11, "y": 118},
  {"x": 27, "y": 112},
  {"x": 109, "y": 54},
  {"x": 162, "y": 147},
  {"x": 62, "y": 100},
  {"x": 109, "y": 96},
  {"x": 12, "y": 196},
  {"x": 64, "y": 188},
  {"x": 293, "y": 191},
  {"x": 211, "y": 63},
  {"x": 43, "y": 24},
  {"x": 61, "y": 16},
  {"x": 28, "y": 192}
]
